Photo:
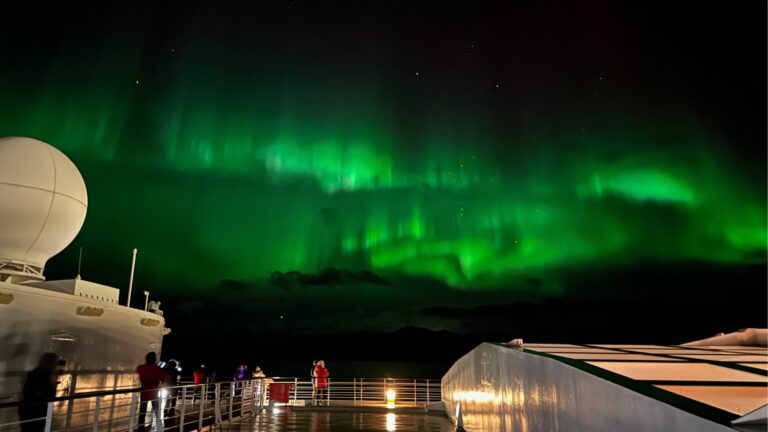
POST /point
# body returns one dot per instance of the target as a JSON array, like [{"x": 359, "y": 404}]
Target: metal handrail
[
  {"x": 118, "y": 410},
  {"x": 210, "y": 404}
]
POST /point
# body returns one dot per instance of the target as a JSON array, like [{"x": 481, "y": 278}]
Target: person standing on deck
[
  {"x": 199, "y": 378},
  {"x": 172, "y": 378},
  {"x": 151, "y": 376},
  {"x": 314, "y": 382},
  {"x": 261, "y": 384},
  {"x": 321, "y": 376},
  {"x": 39, "y": 389}
]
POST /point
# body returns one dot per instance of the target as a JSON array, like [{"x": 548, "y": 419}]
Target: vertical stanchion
[
  {"x": 49, "y": 417},
  {"x": 217, "y": 406},
  {"x": 414, "y": 391},
  {"x": 362, "y": 386},
  {"x": 263, "y": 399},
  {"x": 231, "y": 399},
  {"x": 71, "y": 402},
  {"x": 253, "y": 397},
  {"x": 96, "y": 415},
  {"x": 112, "y": 403},
  {"x": 246, "y": 404},
  {"x": 295, "y": 390},
  {"x": 354, "y": 389},
  {"x": 158, "y": 414},
  {"x": 132, "y": 413},
  {"x": 242, "y": 398},
  {"x": 203, "y": 397},
  {"x": 427, "y": 391},
  {"x": 183, "y": 408}
]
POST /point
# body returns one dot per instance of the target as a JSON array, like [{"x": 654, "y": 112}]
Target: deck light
[{"x": 391, "y": 395}]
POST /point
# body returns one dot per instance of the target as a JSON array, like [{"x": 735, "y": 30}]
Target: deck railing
[
  {"x": 190, "y": 407},
  {"x": 383, "y": 391}
]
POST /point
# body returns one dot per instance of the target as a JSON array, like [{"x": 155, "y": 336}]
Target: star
[
  {"x": 497, "y": 86},
  {"x": 417, "y": 74},
  {"x": 137, "y": 81}
]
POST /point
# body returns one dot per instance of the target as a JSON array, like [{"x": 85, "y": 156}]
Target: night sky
[{"x": 351, "y": 166}]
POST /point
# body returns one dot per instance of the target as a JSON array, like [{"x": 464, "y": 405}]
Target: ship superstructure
[{"x": 43, "y": 204}]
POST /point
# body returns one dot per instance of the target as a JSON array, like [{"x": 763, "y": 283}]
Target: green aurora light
[{"x": 273, "y": 166}]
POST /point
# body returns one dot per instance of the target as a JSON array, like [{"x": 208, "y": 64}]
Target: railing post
[
  {"x": 243, "y": 405},
  {"x": 202, "y": 407},
  {"x": 427, "y": 391},
  {"x": 242, "y": 397},
  {"x": 49, "y": 417},
  {"x": 96, "y": 415},
  {"x": 217, "y": 401},
  {"x": 131, "y": 413},
  {"x": 112, "y": 401},
  {"x": 158, "y": 414},
  {"x": 252, "y": 392},
  {"x": 295, "y": 390},
  {"x": 362, "y": 387},
  {"x": 414, "y": 391},
  {"x": 354, "y": 389},
  {"x": 183, "y": 408},
  {"x": 231, "y": 399},
  {"x": 71, "y": 402}
]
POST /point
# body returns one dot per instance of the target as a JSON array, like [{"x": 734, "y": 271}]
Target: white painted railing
[{"x": 191, "y": 407}]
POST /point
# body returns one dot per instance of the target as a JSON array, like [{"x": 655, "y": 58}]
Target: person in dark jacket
[
  {"x": 39, "y": 389},
  {"x": 171, "y": 382},
  {"x": 314, "y": 382}
]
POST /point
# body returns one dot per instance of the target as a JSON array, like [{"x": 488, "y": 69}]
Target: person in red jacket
[
  {"x": 321, "y": 380},
  {"x": 199, "y": 378},
  {"x": 151, "y": 376}
]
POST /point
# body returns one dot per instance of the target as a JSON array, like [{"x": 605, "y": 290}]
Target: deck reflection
[{"x": 287, "y": 420}]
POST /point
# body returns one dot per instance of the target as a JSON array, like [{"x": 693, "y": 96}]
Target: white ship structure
[{"x": 43, "y": 204}]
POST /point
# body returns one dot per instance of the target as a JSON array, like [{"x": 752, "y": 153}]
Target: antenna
[
  {"x": 130, "y": 283},
  {"x": 79, "y": 262}
]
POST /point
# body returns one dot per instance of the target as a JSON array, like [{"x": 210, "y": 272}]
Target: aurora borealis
[{"x": 231, "y": 142}]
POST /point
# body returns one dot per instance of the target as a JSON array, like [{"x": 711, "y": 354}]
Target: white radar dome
[{"x": 43, "y": 202}]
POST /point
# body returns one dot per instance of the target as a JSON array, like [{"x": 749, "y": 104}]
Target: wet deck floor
[{"x": 341, "y": 421}]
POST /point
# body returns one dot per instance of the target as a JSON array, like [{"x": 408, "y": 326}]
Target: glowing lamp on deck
[{"x": 391, "y": 395}]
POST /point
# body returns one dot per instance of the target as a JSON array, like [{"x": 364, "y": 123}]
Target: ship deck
[{"x": 358, "y": 419}]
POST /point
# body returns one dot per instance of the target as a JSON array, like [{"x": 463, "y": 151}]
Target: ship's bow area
[{"x": 593, "y": 388}]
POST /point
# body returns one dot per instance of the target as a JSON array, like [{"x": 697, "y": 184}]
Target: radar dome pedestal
[{"x": 43, "y": 202}]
